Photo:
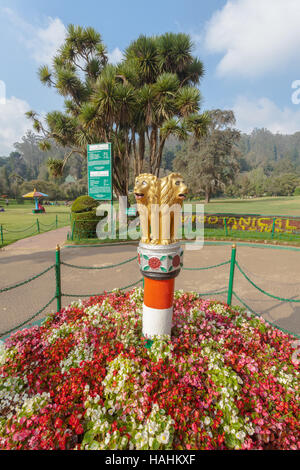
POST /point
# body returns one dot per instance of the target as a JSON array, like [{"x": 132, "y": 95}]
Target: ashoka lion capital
[{"x": 159, "y": 203}]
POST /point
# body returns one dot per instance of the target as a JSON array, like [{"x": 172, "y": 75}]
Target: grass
[
  {"x": 289, "y": 205},
  {"x": 19, "y": 222}
]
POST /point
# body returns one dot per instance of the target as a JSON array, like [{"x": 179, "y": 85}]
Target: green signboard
[{"x": 99, "y": 163}]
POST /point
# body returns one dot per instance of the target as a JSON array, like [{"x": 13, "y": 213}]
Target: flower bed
[{"x": 85, "y": 380}]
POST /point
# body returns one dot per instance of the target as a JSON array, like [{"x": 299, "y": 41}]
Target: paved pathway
[{"x": 275, "y": 270}]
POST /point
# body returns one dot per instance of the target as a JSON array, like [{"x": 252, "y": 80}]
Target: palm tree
[
  {"x": 164, "y": 72},
  {"x": 150, "y": 95}
]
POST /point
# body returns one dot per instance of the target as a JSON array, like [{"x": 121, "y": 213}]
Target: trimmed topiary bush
[
  {"x": 297, "y": 191},
  {"x": 84, "y": 218}
]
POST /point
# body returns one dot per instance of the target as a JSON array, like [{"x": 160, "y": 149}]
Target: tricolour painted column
[
  {"x": 158, "y": 306},
  {"x": 159, "y": 264}
]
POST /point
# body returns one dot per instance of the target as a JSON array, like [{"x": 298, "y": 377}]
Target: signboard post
[
  {"x": 99, "y": 166},
  {"x": 99, "y": 162}
]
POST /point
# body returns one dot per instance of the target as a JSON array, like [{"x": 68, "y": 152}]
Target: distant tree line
[
  {"x": 222, "y": 163},
  {"x": 26, "y": 167},
  {"x": 231, "y": 164}
]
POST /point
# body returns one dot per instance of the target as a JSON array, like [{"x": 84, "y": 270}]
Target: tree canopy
[
  {"x": 151, "y": 94},
  {"x": 209, "y": 163}
]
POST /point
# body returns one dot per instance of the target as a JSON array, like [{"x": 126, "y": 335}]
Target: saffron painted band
[{"x": 159, "y": 294}]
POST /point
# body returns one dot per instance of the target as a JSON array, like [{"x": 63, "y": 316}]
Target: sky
[{"x": 249, "y": 48}]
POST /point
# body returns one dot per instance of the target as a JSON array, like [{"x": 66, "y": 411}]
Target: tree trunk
[
  {"x": 207, "y": 196},
  {"x": 138, "y": 153},
  {"x": 153, "y": 149},
  {"x": 141, "y": 152},
  {"x": 159, "y": 156}
]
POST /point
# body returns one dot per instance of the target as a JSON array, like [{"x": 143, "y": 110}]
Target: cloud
[
  {"x": 42, "y": 42},
  {"x": 48, "y": 40},
  {"x": 265, "y": 113},
  {"x": 13, "y": 123},
  {"x": 254, "y": 36},
  {"x": 115, "y": 56}
]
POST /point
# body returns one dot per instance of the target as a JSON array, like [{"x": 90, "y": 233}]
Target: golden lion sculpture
[
  {"x": 146, "y": 191},
  {"x": 172, "y": 194},
  {"x": 159, "y": 203}
]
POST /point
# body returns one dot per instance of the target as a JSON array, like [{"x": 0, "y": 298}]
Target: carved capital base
[{"x": 160, "y": 261}]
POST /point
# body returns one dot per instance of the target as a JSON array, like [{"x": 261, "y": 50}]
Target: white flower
[
  {"x": 152, "y": 427},
  {"x": 241, "y": 435},
  {"x": 164, "y": 437}
]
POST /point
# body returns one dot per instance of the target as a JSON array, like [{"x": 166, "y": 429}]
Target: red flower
[
  {"x": 79, "y": 429},
  {"x": 176, "y": 261},
  {"x": 154, "y": 263},
  {"x": 58, "y": 423},
  {"x": 184, "y": 389}
]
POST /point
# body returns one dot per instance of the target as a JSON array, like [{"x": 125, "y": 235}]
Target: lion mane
[
  {"x": 167, "y": 193},
  {"x": 152, "y": 194}
]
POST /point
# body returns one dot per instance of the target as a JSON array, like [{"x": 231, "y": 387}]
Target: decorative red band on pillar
[{"x": 158, "y": 293}]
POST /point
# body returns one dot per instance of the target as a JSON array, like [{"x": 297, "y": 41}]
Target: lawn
[
  {"x": 19, "y": 222},
  {"x": 289, "y": 205},
  {"x": 271, "y": 206}
]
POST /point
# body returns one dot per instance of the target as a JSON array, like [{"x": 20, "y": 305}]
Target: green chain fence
[
  {"x": 59, "y": 293},
  {"x": 8, "y": 235}
]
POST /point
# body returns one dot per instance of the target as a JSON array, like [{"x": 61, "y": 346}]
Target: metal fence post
[
  {"x": 225, "y": 226},
  {"x": 56, "y": 221},
  {"x": 38, "y": 225},
  {"x": 273, "y": 229},
  {"x": 1, "y": 230},
  {"x": 57, "y": 278},
  {"x": 73, "y": 227},
  {"x": 231, "y": 275}
]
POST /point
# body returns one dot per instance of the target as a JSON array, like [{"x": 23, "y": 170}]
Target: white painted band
[{"x": 157, "y": 321}]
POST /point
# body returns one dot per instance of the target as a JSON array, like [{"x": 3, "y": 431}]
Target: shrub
[
  {"x": 84, "y": 218},
  {"x": 297, "y": 191}
]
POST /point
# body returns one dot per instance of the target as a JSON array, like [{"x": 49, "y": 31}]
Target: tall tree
[
  {"x": 211, "y": 162},
  {"x": 164, "y": 73},
  {"x": 150, "y": 95}
]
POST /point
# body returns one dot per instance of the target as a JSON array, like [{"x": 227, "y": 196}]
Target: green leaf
[
  {"x": 88, "y": 437},
  {"x": 163, "y": 269},
  {"x": 145, "y": 268},
  {"x": 156, "y": 444}
]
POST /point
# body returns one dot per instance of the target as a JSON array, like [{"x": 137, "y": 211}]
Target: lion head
[
  {"x": 172, "y": 189},
  {"x": 146, "y": 189}
]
